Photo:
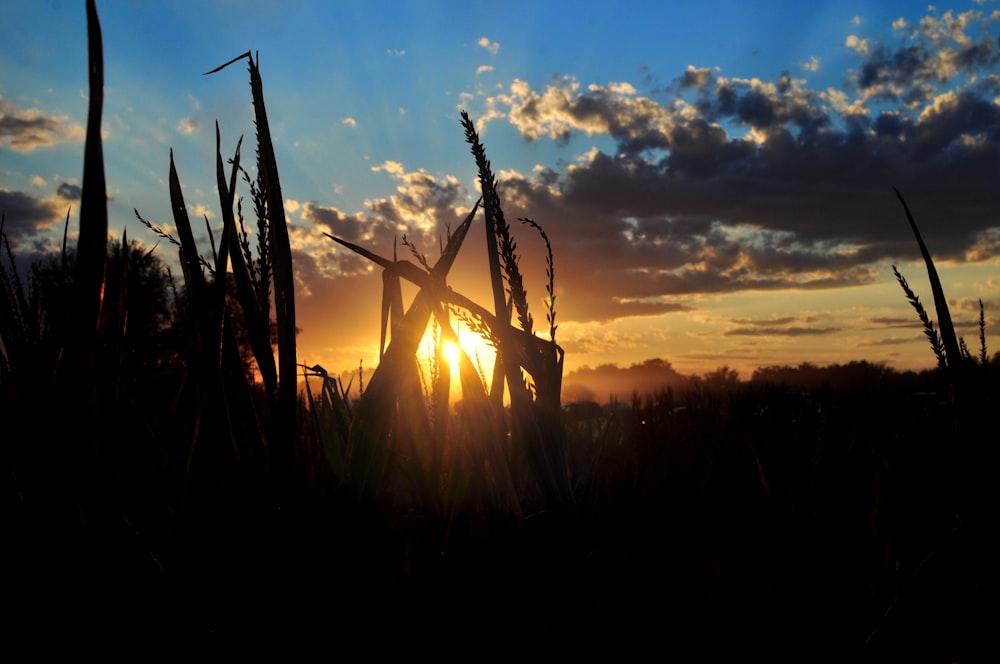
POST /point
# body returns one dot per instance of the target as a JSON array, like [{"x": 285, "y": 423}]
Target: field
[{"x": 178, "y": 480}]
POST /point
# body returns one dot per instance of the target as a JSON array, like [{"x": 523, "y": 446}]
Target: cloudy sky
[{"x": 715, "y": 177}]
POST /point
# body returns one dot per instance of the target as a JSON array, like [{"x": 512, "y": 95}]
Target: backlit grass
[{"x": 193, "y": 485}]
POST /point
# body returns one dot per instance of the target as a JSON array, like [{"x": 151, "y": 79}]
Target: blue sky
[{"x": 715, "y": 176}]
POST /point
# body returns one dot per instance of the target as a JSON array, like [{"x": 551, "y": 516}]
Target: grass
[{"x": 173, "y": 492}]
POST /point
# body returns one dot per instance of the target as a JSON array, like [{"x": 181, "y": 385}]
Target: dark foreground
[{"x": 760, "y": 521}]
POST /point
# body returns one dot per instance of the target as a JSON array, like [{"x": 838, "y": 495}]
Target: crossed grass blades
[
  {"x": 483, "y": 464},
  {"x": 225, "y": 298}
]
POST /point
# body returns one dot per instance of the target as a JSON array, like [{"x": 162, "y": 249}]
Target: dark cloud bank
[{"x": 719, "y": 184}]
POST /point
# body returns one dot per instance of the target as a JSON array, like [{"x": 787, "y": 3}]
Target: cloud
[
  {"x": 728, "y": 184},
  {"x": 985, "y": 246},
  {"x": 187, "y": 126},
  {"x": 391, "y": 167},
  {"x": 201, "y": 211},
  {"x": 492, "y": 47},
  {"x": 26, "y": 130},
  {"x": 396, "y": 52},
  {"x": 23, "y": 212},
  {"x": 421, "y": 206},
  {"x": 695, "y": 78},
  {"x": 562, "y": 108},
  {"x": 938, "y": 51},
  {"x": 350, "y": 122},
  {"x": 812, "y": 65},
  {"x": 27, "y": 218},
  {"x": 70, "y": 192},
  {"x": 421, "y": 203},
  {"x": 788, "y": 326},
  {"x": 858, "y": 45},
  {"x": 781, "y": 331},
  {"x": 715, "y": 185},
  {"x": 481, "y": 69}
]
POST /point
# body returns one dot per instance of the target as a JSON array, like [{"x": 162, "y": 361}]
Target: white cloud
[
  {"x": 858, "y": 45},
  {"x": 492, "y": 47},
  {"x": 483, "y": 68},
  {"x": 393, "y": 168},
  {"x": 841, "y": 104},
  {"x": 397, "y": 52},
  {"x": 812, "y": 65},
  {"x": 350, "y": 122},
  {"x": 616, "y": 88},
  {"x": 941, "y": 104},
  {"x": 200, "y": 210},
  {"x": 187, "y": 126},
  {"x": 614, "y": 109}
]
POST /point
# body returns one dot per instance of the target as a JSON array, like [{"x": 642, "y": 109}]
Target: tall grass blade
[
  {"x": 92, "y": 246},
  {"x": 392, "y": 307},
  {"x": 283, "y": 422},
  {"x": 194, "y": 278},
  {"x": 256, "y": 324},
  {"x": 535, "y": 430},
  {"x": 217, "y": 306},
  {"x": 503, "y": 365},
  {"x": 953, "y": 355},
  {"x": 284, "y": 277}
]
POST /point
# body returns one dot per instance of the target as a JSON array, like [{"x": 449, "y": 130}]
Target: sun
[
  {"x": 450, "y": 351},
  {"x": 447, "y": 355}
]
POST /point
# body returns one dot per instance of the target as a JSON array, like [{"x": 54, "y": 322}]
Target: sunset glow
[
  {"x": 451, "y": 353},
  {"x": 715, "y": 181},
  {"x": 583, "y": 331}
]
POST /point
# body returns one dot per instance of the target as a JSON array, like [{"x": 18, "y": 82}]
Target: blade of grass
[
  {"x": 370, "y": 432},
  {"x": 945, "y": 326},
  {"x": 283, "y": 423},
  {"x": 392, "y": 306},
  {"x": 282, "y": 271},
  {"x": 256, "y": 324},
  {"x": 92, "y": 245},
  {"x": 194, "y": 278}
]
